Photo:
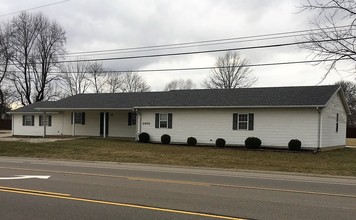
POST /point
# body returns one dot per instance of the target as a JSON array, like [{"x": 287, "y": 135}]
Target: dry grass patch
[
  {"x": 337, "y": 162},
  {"x": 351, "y": 141}
]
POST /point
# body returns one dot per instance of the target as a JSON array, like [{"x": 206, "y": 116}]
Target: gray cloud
[{"x": 107, "y": 24}]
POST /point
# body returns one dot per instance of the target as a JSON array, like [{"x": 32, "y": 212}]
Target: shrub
[
  {"x": 253, "y": 143},
  {"x": 166, "y": 139},
  {"x": 220, "y": 142},
  {"x": 143, "y": 137},
  {"x": 295, "y": 145},
  {"x": 191, "y": 141}
]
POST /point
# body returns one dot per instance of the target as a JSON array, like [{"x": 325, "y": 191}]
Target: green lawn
[{"x": 337, "y": 162}]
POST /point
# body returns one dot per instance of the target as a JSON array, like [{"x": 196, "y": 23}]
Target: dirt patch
[
  {"x": 36, "y": 139},
  {"x": 351, "y": 141}
]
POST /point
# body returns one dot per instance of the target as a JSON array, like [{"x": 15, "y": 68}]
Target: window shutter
[
  {"x": 23, "y": 120},
  {"x": 157, "y": 121},
  {"x": 234, "y": 121},
  {"x": 83, "y": 118},
  {"x": 71, "y": 118},
  {"x": 251, "y": 121},
  {"x": 40, "y": 120},
  {"x": 170, "y": 120},
  {"x": 129, "y": 119},
  {"x": 49, "y": 120},
  {"x": 33, "y": 120}
]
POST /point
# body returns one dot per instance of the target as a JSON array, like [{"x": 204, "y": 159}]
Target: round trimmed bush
[
  {"x": 143, "y": 137},
  {"x": 191, "y": 141},
  {"x": 220, "y": 142},
  {"x": 295, "y": 145},
  {"x": 166, "y": 139},
  {"x": 253, "y": 143}
]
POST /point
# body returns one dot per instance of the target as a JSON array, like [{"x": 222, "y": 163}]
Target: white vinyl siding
[
  {"x": 37, "y": 130},
  {"x": 275, "y": 127},
  {"x": 334, "y": 120},
  {"x": 118, "y": 126}
]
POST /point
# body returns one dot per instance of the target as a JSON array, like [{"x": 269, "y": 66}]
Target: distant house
[{"x": 316, "y": 115}]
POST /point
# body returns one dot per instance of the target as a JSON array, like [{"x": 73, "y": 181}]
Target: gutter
[{"x": 217, "y": 107}]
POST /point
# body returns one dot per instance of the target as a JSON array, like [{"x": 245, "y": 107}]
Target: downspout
[
  {"x": 73, "y": 124},
  {"x": 320, "y": 129},
  {"x": 13, "y": 125},
  {"x": 138, "y": 124},
  {"x": 104, "y": 126},
  {"x": 44, "y": 124}
]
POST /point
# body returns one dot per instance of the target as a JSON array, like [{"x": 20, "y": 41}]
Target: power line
[
  {"x": 214, "y": 67},
  {"x": 179, "y": 47},
  {"x": 210, "y": 42},
  {"x": 197, "y": 52},
  {"x": 202, "y": 51},
  {"x": 29, "y": 9}
]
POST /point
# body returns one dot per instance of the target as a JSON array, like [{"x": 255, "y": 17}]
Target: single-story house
[{"x": 316, "y": 115}]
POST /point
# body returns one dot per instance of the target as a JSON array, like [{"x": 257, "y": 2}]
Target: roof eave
[
  {"x": 216, "y": 107},
  {"x": 33, "y": 113},
  {"x": 80, "y": 109}
]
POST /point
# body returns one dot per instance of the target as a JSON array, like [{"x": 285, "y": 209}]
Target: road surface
[{"x": 53, "y": 189}]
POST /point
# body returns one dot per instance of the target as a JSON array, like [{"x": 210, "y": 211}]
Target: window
[
  {"x": 131, "y": 118},
  {"x": 79, "y": 118},
  {"x": 337, "y": 122},
  {"x": 48, "y": 120},
  {"x": 28, "y": 120},
  {"x": 243, "y": 121},
  {"x": 163, "y": 120}
]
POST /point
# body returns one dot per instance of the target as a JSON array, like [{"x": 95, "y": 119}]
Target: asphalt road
[{"x": 93, "y": 190}]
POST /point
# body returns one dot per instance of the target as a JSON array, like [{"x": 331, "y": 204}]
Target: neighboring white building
[{"x": 316, "y": 115}]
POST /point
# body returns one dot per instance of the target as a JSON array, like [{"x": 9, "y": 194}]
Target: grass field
[{"x": 337, "y": 162}]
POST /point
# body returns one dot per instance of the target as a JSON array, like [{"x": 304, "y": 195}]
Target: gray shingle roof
[
  {"x": 242, "y": 97},
  {"x": 33, "y": 107}
]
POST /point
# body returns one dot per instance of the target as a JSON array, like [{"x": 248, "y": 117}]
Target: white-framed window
[
  {"x": 163, "y": 120},
  {"x": 28, "y": 120},
  {"x": 243, "y": 121},
  {"x": 48, "y": 120}
]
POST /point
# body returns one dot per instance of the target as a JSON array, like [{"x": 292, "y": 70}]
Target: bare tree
[
  {"x": 114, "y": 82},
  {"x": 97, "y": 76},
  {"x": 133, "y": 82},
  {"x": 349, "y": 89},
  {"x": 75, "y": 77},
  {"x": 179, "y": 84},
  {"x": 5, "y": 57},
  {"x": 230, "y": 72},
  {"x": 330, "y": 41},
  {"x": 49, "y": 48},
  {"x": 38, "y": 44}
]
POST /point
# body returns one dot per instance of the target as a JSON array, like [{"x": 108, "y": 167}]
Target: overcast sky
[{"x": 113, "y": 24}]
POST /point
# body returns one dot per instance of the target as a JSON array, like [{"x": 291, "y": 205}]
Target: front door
[{"x": 102, "y": 124}]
